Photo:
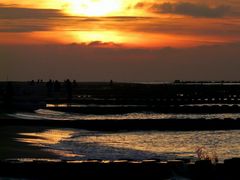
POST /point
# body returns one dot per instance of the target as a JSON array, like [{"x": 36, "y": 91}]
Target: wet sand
[{"x": 12, "y": 149}]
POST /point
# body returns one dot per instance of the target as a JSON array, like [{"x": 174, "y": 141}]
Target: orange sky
[
  {"x": 123, "y": 40},
  {"x": 162, "y": 24}
]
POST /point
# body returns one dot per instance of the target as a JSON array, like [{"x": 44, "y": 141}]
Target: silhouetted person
[
  {"x": 32, "y": 83},
  {"x": 75, "y": 83},
  {"x": 68, "y": 86},
  {"x": 111, "y": 83},
  {"x": 49, "y": 86},
  {"x": 177, "y": 81},
  {"x": 57, "y": 86}
]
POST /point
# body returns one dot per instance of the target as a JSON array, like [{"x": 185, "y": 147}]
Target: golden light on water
[
  {"x": 49, "y": 137},
  {"x": 46, "y": 137},
  {"x": 83, "y": 144}
]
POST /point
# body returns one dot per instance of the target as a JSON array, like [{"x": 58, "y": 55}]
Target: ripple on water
[{"x": 71, "y": 144}]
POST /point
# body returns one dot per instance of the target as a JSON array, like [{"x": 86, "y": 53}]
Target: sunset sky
[{"x": 123, "y": 40}]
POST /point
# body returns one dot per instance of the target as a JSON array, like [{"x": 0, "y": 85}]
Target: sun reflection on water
[
  {"x": 82, "y": 144},
  {"x": 46, "y": 137},
  {"x": 49, "y": 138}
]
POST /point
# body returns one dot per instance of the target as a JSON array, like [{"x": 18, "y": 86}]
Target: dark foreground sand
[{"x": 10, "y": 148}]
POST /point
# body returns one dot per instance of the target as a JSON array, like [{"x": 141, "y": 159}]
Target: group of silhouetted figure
[
  {"x": 53, "y": 87},
  {"x": 56, "y": 86}
]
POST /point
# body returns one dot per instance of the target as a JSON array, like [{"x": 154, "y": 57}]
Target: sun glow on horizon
[{"x": 92, "y": 7}]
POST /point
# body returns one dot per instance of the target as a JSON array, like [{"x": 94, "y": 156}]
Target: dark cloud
[
  {"x": 97, "y": 44},
  {"x": 28, "y": 13},
  {"x": 26, "y": 28},
  {"x": 68, "y": 23},
  {"x": 191, "y": 9},
  {"x": 103, "y": 44},
  {"x": 87, "y": 63}
]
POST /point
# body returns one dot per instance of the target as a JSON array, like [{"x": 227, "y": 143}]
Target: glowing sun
[{"x": 92, "y": 7}]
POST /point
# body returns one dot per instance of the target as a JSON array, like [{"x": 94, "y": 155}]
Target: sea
[{"x": 80, "y": 144}]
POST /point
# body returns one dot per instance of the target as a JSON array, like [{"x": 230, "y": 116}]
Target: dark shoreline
[
  {"x": 131, "y": 124},
  {"x": 176, "y": 169}
]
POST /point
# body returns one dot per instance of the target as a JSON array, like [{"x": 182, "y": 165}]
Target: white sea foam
[{"x": 56, "y": 115}]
